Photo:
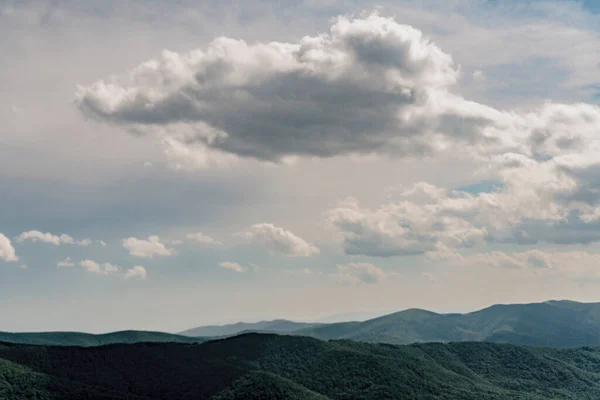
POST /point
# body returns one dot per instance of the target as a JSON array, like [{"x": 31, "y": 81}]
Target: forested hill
[{"x": 258, "y": 366}]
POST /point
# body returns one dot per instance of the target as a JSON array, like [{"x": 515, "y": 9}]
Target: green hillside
[
  {"x": 88, "y": 339},
  {"x": 255, "y": 366}
]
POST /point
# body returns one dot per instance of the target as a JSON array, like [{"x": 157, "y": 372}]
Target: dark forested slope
[{"x": 291, "y": 367}]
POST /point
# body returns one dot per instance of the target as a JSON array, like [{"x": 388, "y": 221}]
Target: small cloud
[
  {"x": 50, "y": 238},
  {"x": 307, "y": 271},
  {"x": 204, "y": 239},
  {"x": 280, "y": 240},
  {"x": 67, "y": 262},
  {"x": 138, "y": 272},
  {"x": 147, "y": 164},
  {"x": 232, "y": 266},
  {"x": 147, "y": 248},
  {"x": 430, "y": 277},
  {"x": 102, "y": 243},
  {"x": 176, "y": 242},
  {"x": 356, "y": 273},
  {"x": 23, "y": 266},
  {"x": 102, "y": 269},
  {"x": 478, "y": 75}
]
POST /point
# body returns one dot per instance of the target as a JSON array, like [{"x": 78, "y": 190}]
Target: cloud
[
  {"x": 7, "y": 251},
  {"x": 138, "y": 272},
  {"x": 355, "y": 273},
  {"x": 232, "y": 266},
  {"x": 147, "y": 248},
  {"x": 102, "y": 243},
  {"x": 429, "y": 276},
  {"x": 279, "y": 240},
  {"x": 102, "y": 269},
  {"x": 55, "y": 240},
  {"x": 67, "y": 262},
  {"x": 369, "y": 85},
  {"x": 575, "y": 264},
  {"x": 204, "y": 239}
]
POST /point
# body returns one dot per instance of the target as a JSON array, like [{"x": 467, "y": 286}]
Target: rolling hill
[
  {"x": 272, "y": 367},
  {"x": 88, "y": 339}
]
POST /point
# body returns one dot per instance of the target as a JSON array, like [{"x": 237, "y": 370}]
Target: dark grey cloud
[{"x": 370, "y": 85}]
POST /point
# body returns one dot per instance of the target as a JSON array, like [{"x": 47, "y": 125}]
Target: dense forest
[{"x": 265, "y": 366}]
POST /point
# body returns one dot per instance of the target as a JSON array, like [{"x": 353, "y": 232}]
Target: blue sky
[{"x": 378, "y": 156}]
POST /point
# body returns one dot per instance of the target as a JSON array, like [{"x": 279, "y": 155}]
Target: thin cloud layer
[
  {"x": 279, "y": 240},
  {"x": 7, "y": 251},
  {"x": 50, "y": 238},
  {"x": 369, "y": 85},
  {"x": 355, "y": 273},
  {"x": 203, "y": 239},
  {"x": 147, "y": 248},
  {"x": 232, "y": 266}
]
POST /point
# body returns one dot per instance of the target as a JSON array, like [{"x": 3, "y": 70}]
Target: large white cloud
[
  {"x": 371, "y": 85},
  {"x": 280, "y": 240},
  {"x": 147, "y": 248},
  {"x": 50, "y": 238},
  {"x": 7, "y": 251},
  {"x": 368, "y": 85}
]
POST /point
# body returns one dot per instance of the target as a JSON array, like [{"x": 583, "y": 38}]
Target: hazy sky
[{"x": 166, "y": 164}]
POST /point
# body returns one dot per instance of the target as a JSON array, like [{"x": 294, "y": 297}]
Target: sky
[{"x": 169, "y": 164}]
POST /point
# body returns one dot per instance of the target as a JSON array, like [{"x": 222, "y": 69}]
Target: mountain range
[
  {"x": 274, "y": 367},
  {"x": 553, "y": 323},
  {"x": 558, "y": 324}
]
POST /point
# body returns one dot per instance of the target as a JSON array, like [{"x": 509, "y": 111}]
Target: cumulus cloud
[
  {"x": 232, "y": 266},
  {"x": 55, "y": 240},
  {"x": 355, "y": 273},
  {"x": 7, "y": 251},
  {"x": 138, "y": 273},
  {"x": 96, "y": 268},
  {"x": 202, "y": 238},
  {"x": 147, "y": 248},
  {"x": 369, "y": 85},
  {"x": 67, "y": 262},
  {"x": 279, "y": 240}
]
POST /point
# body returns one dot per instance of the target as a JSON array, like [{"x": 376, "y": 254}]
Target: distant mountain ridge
[
  {"x": 89, "y": 339},
  {"x": 555, "y": 323},
  {"x": 559, "y": 324},
  {"x": 274, "y": 326}
]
